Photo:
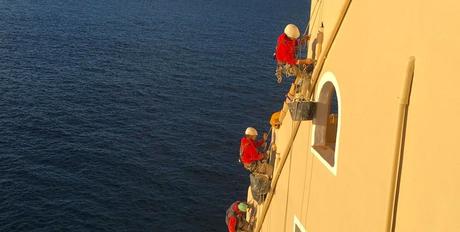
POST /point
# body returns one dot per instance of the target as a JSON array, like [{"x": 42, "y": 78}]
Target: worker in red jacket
[
  {"x": 236, "y": 217},
  {"x": 285, "y": 52},
  {"x": 251, "y": 155}
]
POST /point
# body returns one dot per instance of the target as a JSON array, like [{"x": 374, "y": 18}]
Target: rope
[
  {"x": 315, "y": 12},
  {"x": 266, "y": 148},
  {"x": 272, "y": 156},
  {"x": 277, "y": 176},
  {"x": 322, "y": 59},
  {"x": 314, "y": 16}
]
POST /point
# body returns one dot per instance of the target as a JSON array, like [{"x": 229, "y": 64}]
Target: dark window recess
[
  {"x": 297, "y": 229},
  {"x": 326, "y": 121}
]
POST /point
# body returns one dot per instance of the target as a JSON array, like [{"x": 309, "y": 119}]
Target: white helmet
[
  {"x": 292, "y": 31},
  {"x": 251, "y": 131}
]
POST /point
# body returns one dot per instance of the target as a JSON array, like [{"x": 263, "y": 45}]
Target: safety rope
[
  {"x": 315, "y": 12},
  {"x": 266, "y": 148},
  {"x": 314, "y": 15},
  {"x": 276, "y": 178},
  {"x": 322, "y": 59}
]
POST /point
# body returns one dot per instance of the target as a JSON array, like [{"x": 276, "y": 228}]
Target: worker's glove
[
  {"x": 305, "y": 39},
  {"x": 265, "y": 136}
]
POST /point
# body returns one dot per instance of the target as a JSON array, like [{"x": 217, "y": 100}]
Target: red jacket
[
  {"x": 232, "y": 217},
  {"x": 248, "y": 150},
  {"x": 285, "y": 50}
]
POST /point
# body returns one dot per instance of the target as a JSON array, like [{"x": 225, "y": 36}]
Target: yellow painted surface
[
  {"x": 430, "y": 187},
  {"x": 369, "y": 59}
]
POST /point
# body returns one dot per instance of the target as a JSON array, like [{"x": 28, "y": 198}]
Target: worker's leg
[
  {"x": 291, "y": 94},
  {"x": 303, "y": 84},
  {"x": 251, "y": 167},
  {"x": 291, "y": 70},
  {"x": 286, "y": 70},
  {"x": 289, "y": 98},
  {"x": 264, "y": 168},
  {"x": 243, "y": 226}
]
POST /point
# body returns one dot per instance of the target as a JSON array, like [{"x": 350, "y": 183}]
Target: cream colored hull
[{"x": 369, "y": 61}]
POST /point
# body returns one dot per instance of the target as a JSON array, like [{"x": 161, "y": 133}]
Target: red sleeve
[
  {"x": 259, "y": 143},
  {"x": 255, "y": 155},
  {"x": 232, "y": 224}
]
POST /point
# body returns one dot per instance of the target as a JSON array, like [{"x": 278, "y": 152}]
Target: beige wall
[
  {"x": 369, "y": 59},
  {"x": 430, "y": 187}
]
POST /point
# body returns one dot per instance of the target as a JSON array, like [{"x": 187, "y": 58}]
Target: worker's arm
[
  {"x": 305, "y": 61},
  {"x": 305, "y": 39},
  {"x": 259, "y": 143},
  {"x": 232, "y": 224},
  {"x": 252, "y": 153},
  {"x": 262, "y": 141}
]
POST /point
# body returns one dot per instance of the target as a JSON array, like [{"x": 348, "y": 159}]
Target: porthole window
[{"x": 326, "y": 124}]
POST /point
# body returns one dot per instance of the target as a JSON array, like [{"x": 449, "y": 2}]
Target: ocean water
[{"x": 126, "y": 115}]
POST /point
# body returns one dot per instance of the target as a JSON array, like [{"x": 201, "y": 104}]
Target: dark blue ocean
[{"x": 126, "y": 115}]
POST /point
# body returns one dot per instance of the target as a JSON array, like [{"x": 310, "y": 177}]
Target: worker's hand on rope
[
  {"x": 265, "y": 136},
  {"x": 305, "y": 39}
]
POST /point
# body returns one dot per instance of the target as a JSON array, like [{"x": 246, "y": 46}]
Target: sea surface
[{"x": 126, "y": 115}]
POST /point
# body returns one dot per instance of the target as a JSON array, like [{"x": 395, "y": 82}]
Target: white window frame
[
  {"x": 329, "y": 77},
  {"x": 298, "y": 224}
]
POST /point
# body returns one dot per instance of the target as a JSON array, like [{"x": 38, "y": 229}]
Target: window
[
  {"x": 298, "y": 227},
  {"x": 326, "y": 124}
]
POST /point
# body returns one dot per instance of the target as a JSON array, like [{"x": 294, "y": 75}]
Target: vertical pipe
[{"x": 400, "y": 142}]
